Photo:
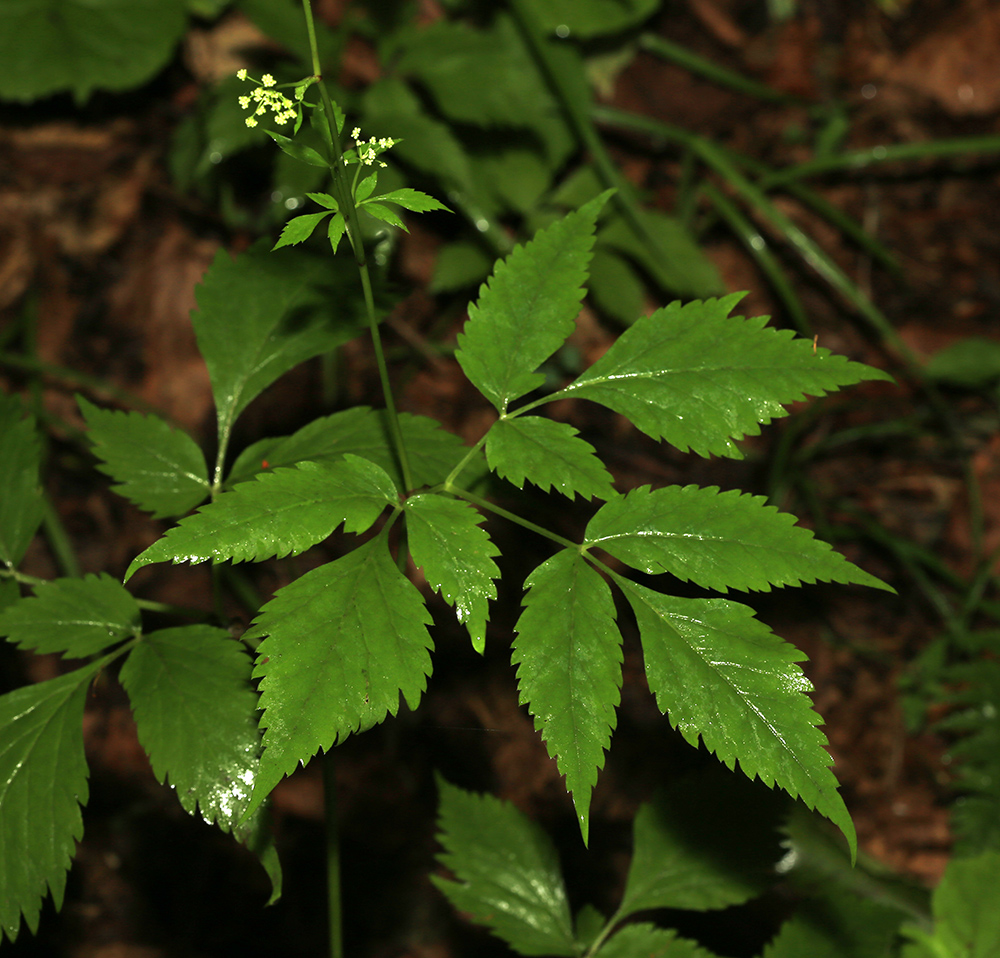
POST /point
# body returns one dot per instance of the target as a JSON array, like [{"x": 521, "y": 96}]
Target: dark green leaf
[
  {"x": 506, "y": 870},
  {"x": 195, "y": 712},
  {"x": 719, "y": 673},
  {"x": 528, "y": 308},
  {"x": 344, "y": 642},
  {"x": 249, "y": 328},
  {"x": 591, "y": 19},
  {"x": 973, "y": 362},
  {"x": 43, "y": 782},
  {"x": 548, "y": 454},
  {"x": 21, "y": 503},
  {"x": 458, "y": 265},
  {"x": 78, "y": 617},
  {"x": 710, "y": 840},
  {"x": 281, "y": 513},
  {"x": 647, "y": 941},
  {"x": 719, "y": 540},
  {"x": 160, "y": 469},
  {"x": 699, "y": 378},
  {"x": 569, "y": 668},
  {"x": 298, "y": 230},
  {"x": 52, "y": 46},
  {"x": 457, "y": 557}
]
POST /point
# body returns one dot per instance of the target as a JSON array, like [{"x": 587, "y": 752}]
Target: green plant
[{"x": 337, "y": 647}]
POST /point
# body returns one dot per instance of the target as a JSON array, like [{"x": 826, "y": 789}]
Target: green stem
[
  {"x": 511, "y": 517},
  {"x": 345, "y": 200},
  {"x": 334, "y": 905}
]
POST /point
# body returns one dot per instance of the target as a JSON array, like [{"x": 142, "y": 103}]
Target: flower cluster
[
  {"x": 264, "y": 98},
  {"x": 367, "y": 152}
]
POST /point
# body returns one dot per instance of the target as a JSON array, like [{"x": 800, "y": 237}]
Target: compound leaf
[
  {"x": 248, "y": 326},
  {"x": 528, "y": 307},
  {"x": 719, "y": 540},
  {"x": 456, "y": 555},
  {"x": 299, "y": 229},
  {"x": 344, "y": 641},
  {"x": 195, "y": 713},
  {"x": 506, "y": 870},
  {"x": 77, "y": 617},
  {"x": 548, "y": 454},
  {"x": 569, "y": 668},
  {"x": 21, "y": 503},
  {"x": 708, "y": 841},
  {"x": 699, "y": 379},
  {"x": 43, "y": 783},
  {"x": 160, "y": 469},
  {"x": 719, "y": 673},
  {"x": 280, "y": 513}
]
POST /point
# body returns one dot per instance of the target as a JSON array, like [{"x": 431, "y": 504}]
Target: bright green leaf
[
  {"x": 344, "y": 641},
  {"x": 51, "y": 46},
  {"x": 412, "y": 200},
  {"x": 719, "y": 673},
  {"x": 281, "y": 513},
  {"x": 384, "y": 214},
  {"x": 569, "y": 668},
  {"x": 335, "y": 231},
  {"x": 195, "y": 713},
  {"x": 718, "y": 540},
  {"x": 21, "y": 503},
  {"x": 699, "y": 379},
  {"x": 643, "y": 940},
  {"x": 456, "y": 555},
  {"x": 547, "y": 453},
  {"x": 247, "y": 326},
  {"x": 298, "y": 230},
  {"x": 77, "y": 617},
  {"x": 708, "y": 841},
  {"x": 365, "y": 188},
  {"x": 528, "y": 308},
  {"x": 506, "y": 870},
  {"x": 966, "y": 918},
  {"x": 43, "y": 783},
  {"x": 324, "y": 200},
  {"x": 298, "y": 151},
  {"x": 160, "y": 469}
]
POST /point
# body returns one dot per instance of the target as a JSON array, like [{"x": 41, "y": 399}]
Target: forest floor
[{"x": 99, "y": 244}]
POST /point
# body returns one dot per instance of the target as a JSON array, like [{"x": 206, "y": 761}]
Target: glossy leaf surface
[
  {"x": 700, "y": 379},
  {"x": 344, "y": 642},
  {"x": 569, "y": 668},
  {"x": 722, "y": 675},
  {"x": 77, "y": 617},
  {"x": 160, "y": 469},
  {"x": 718, "y": 540},
  {"x": 280, "y": 513},
  {"x": 548, "y": 454},
  {"x": 456, "y": 554},
  {"x": 506, "y": 872}
]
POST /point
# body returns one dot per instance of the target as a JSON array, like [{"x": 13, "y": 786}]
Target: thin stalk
[
  {"x": 512, "y": 517},
  {"x": 345, "y": 202}
]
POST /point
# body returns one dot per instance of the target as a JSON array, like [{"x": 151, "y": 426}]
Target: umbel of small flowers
[
  {"x": 367, "y": 152},
  {"x": 264, "y": 98}
]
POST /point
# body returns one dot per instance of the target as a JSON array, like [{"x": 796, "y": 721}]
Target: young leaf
[
  {"x": 548, "y": 454},
  {"x": 21, "y": 503},
  {"x": 195, "y": 713},
  {"x": 456, "y": 555},
  {"x": 335, "y": 231},
  {"x": 966, "y": 918},
  {"x": 412, "y": 200},
  {"x": 699, "y": 379},
  {"x": 281, "y": 513},
  {"x": 344, "y": 641},
  {"x": 297, "y": 150},
  {"x": 506, "y": 870},
  {"x": 160, "y": 469},
  {"x": 649, "y": 941},
  {"x": 246, "y": 329},
  {"x": 719, "y": 673},
  {"x": 526, "y": 311},
  {"x": 569, "y": 668},
  {"x": 299, "y": 229},
  {"x": 719, "y": 540},
  {"x": 43, "y": 782},
  {"x": 708, "y": 841},
  {"x": 77, "y": 617},
  {"x": 384, "y": 214},
  {"x": 325, "y": 200}
]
